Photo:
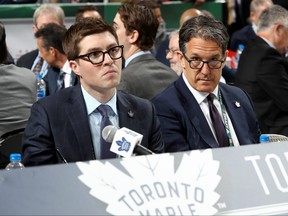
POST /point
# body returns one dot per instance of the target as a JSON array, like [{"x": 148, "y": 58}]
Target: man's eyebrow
[{"x": 100, "y": 49}]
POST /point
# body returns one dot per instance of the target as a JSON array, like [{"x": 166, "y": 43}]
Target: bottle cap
[
  {"x": 15, "y": 156},
  {"x": 241, "y": 46},
  {"x": 264, "y": 138},
  {"x": 39, "y": 76}
]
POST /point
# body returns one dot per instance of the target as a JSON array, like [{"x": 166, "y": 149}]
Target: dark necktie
[
  {"x": 105, "y": 147},
  {"x": 60, "y": 80},
  {"x": 38, "y": 66},
  {"x": 217, "y": 123}
]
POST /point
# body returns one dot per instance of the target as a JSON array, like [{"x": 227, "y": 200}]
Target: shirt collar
[
  {"x": 66, "y": 68},
  {"x": 92, "y": 103},
  {"x": 128, "y": 60},
  {"x": 199, "y": 96},
  {"x": 268, "y": 42}
]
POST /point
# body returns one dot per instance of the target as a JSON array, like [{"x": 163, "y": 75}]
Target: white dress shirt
[{"x": 67, "y": 76}]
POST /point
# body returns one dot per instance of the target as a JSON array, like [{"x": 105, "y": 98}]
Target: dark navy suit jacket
[
  {"x": 242, "y": 36},
  {"x": 60, "y": 121},
  {"x": 51, "y": 80},
  {"x": 263, "y": 73},
  {"x": 184, "y": 126},
  {"x": 27, "y": 59}
]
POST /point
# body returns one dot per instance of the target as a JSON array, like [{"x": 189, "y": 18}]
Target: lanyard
[{"x": 225, "y": 119}]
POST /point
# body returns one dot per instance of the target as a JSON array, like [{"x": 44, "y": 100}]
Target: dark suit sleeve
[
  {"x": 37, "y": 145},
  {"x": 156, "y": 144},
  {"x": 144, "y": 120},
  {"x": 171, "y": 126}
]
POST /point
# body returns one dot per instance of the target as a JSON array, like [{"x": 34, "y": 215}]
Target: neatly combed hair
[
  {"x": 3, "y": 46},
  {"x": 206, "y": 28},
  {"x": 271, "y": 16},
  {"x": 153, "y": 4},
  {"x": 142, "y": 19},
  {"x": 82, "y": 9},
  {"x": 52, "y": 35},
  {"x": 53, "y": 9},
  {"x": 85, "y": 27}
]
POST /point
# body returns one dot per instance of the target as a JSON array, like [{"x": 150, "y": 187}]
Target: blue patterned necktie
[
  {"x": 37, "y": 68},
  {"x": 217, "y": 123},
  {"x": 105, "y": 146},
  {"x": 60, "y": 80}
]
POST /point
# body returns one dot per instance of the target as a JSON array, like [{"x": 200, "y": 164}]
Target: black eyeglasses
[
  {"x": 198, "y": 64},
  {"x": 97, "y": 57}
]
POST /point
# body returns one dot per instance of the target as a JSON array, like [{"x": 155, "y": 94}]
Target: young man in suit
[
  {"x": 195, "y": 107},
  {"x": 263, "y": 71},
  {"x": 68, "y": 122},
  {"x": 136, "y": 26}
]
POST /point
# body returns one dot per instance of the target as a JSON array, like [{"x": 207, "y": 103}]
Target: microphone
[{"x": 124, "y": 141}]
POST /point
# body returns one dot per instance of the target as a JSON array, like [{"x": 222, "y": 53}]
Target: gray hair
[
  {"x": 255, "y": 5},
  {"x": 52, "y": 9},
  {"x": 271, "y": 16},
  {"x": 206, "y": 28},
  {"x": 174, "y": 33}
]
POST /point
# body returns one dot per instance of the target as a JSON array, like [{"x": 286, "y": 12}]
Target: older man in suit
[
  {"x": 136, "y": 26},
  {"x": 248, "y": 32},
  {"x": 196, "y": 111},
  {"x": 68, "y": 122},
  {"x": 45, "y": 13},
  {"x": 263, "y": 70}
]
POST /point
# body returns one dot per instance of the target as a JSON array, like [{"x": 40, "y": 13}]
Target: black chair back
[{"x": 10, "y": 142}]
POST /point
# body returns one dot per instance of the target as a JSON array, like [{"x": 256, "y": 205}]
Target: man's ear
[
  {"x": 133, "y": 36},
  {"x": 181, "y": 59},
  {"x": 74, "y": 67},
  {"x": 53, "y": 51}
]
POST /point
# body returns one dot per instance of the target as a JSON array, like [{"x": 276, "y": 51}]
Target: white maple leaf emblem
[{"x": 152, "y": 186}]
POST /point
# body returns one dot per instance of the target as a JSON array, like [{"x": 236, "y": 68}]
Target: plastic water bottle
[
  {"x": 264, "y": 138},
  {"x": 41, "y": 87},
  {"x": 238, "y": 54},
  {"x": 15, "y": 162}
]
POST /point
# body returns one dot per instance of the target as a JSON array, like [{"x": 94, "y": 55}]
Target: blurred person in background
[
  {"x": 263, "y": 71},
  {"x": 45, "y": 13},
  {"x": 49, "y": 41},
  {"x": 17, "y": 91},
  {"x": 87, "y": 11},
  {"x": 171, "y": 53},
  {"x": 245, "y": 34},
  {"x": 144, "y": 76}
]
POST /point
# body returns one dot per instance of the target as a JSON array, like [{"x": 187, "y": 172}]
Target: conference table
[{"x": 244, "y": 180}]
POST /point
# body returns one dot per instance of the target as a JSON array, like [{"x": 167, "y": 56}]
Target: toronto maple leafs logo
[
  {"x": 151, "y": 185},
  {"x": 123, "y": 144}
]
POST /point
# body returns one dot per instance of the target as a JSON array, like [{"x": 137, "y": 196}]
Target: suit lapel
[
  {"x": 126, "y": 111},
  {"x": 78, "y": 118},
  {"x": 234, "y": 110},
  {"x": 195, "y": 113}
]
